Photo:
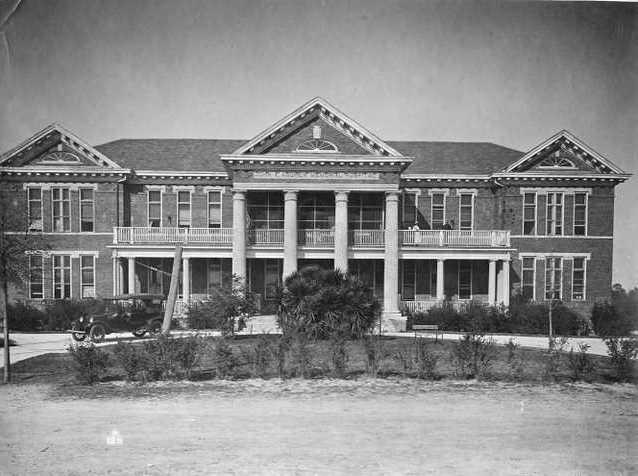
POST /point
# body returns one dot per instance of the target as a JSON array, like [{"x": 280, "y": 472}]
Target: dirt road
[{"x": 321, "y": 427}]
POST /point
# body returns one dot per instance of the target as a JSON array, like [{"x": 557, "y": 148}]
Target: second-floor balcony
[{"x": 312, "y": 238}]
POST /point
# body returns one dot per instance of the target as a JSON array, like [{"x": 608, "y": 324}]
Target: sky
[{"x": 513, "y": 73}]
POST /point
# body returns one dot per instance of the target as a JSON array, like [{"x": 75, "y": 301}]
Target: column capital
[
  {"x": 239, "y": 194},
  {"x": 392, "y": 195},
  {"x": 290, "y": 194},
  {"x": 341, "y": 195}
]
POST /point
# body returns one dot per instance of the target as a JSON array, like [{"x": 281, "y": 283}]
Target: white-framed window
[
  {"x": 580, "y": 214},
  {"x": 215, "y": 209},
  {"x": 61, "y": 276},
  {"x": 154, "y": 212},
  {"x": 87, "y": 209},
  {"x": 183, "y": 208},
  {"x": 466, "y": 211},
  {"x": 528, "y": 278},
  {"x": 529, "y": 213},
  {"x": 36, "y": 287},
  {"x": 579, "y": 271},
  {"x": 265, "y": 210},
  {"x": 34, "y": 203},
  {"x": 61, "y": 204},
  {"x": 465, "y": 279},
  {"x": 553, "y": 277},
  {"x": 87, "y": 276},
  {"x": 554, "y": 213},
  {"x": 438, "y": 210},
  {"x": 408, "y": 209},
  {"x": 366, "y": 211}
]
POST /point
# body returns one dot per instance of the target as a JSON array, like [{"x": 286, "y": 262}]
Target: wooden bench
[{"x": 428, "y": 327}]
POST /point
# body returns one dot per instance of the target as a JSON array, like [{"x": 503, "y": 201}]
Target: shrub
[
  {"x": 566, "y": 322},
  {"x": 189, "y": 352},
  {"x": 623, "y": 352},
  {"x": 339, "y": 354},
  {"x": 425, "y": 360},
  {"x": 263, "y": 355},
  {"x": 321, "y": 302},
  {"x": 609, "y": 322},
  {"x": 90, "y": 362},
  {"x": 373, "y": 347},
  {"x": 300, "y": 355},
  {"x": 529, "y": 318},
  {"x": 225, "y": 310},
  {"x": 226, "y": 362},
  {"x": 163, "y": 355},
  {"x": 553, "y": 357},
  {"x": 133, "y": 359},
  {"x": 24, "y": 317},
  {"x": 580, "y": 363},
  {"x": 59, "y": 314},
  {"x": 473, "y": 355},
  {"x": 515, "y": 362}
]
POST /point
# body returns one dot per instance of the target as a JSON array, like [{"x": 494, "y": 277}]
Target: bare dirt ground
[{"x": 319, "y": 427}]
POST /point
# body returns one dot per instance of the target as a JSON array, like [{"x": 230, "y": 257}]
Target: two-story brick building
[{"x": 419, "y": 221}]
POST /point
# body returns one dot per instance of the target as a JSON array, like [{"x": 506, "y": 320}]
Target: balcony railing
[
  {"x": 455, "y": 238},
  {"x": 316, "y": 238},
  {"x": 266, "y": 237},
  {"x": 222, "y": 237},
  {"x": 367, "y": 238}
]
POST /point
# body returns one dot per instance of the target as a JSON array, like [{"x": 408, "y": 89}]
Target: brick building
[{"x": 418, "y": 221}]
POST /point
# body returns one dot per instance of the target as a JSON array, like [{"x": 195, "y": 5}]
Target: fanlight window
[
  {"x": 60, "y": 158},
  {"x": 556, "y": 161},
  {"x": 317, "y": 145}
]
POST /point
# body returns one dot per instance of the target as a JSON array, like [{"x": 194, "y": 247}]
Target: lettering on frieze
[{"x": 316, "y": 175}]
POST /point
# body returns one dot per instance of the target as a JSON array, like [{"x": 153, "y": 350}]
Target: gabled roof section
[
  {"x": 566, "y": 148},
  {"x": 329, "y": 114},
  {"x": 53, "y": 134}
]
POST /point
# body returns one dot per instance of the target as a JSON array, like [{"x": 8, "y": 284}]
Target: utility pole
[
  {"x": 552, "y": 284},
  {"x": 6, "y": 378},
  {"x": 172, "y": 292}
]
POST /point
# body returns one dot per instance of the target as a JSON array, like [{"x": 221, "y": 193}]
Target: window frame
[
  {"x": 148, "y": 207},
  {"x": 268, "y": 206},
  {"x": 535, "y": 219},
  {"x": 66, "y": 219},
  {"x": 560, "y": 289},
  {"x": 63, "y": 275},
  {"x": 80, "y": 201},
  {"x": 432, "y": 207},
  {"x": 585, "y": 205},
  {"x": 470, "y": 266},
  {"x": 208, "y": 205},
  {"x": 415, "y": 207},
  {"x": 472, "y": 196},
  {"x": 550, "y": 225},
  {"x": 533, "y": 270},
  {"x": 41, "y": 280},
  {"x": 82, "y": 283},
  {"x": 190, "y": 208},
  {"x": 29, "y": 209},
  {"x": 357, "y": 208},
  {"x": 584, "y": 271}
]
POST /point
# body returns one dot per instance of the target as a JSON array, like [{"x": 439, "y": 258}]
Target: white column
[
  {"x": 120, "y": 276},
  {"x": 491, "y": 283},
  {"x": 391, "y": 265},
  {"x": 115, "y": 275},
  {"x": 290, "y": 232},
  {"x": 131, "y": 276},
  {"x": 186, "y": 280},
  {"x": 440, "y": 279},
  {"x": 341, "y": 231},
  {"x": 239, "y": 233},
  {"x": 506, "y": 283}
]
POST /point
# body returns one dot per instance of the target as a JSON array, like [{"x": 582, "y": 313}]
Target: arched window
[
  {"x": 317, "y": 145},
  {"x": 557, "y": 161}
]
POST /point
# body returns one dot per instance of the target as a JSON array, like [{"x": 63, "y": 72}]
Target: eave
[{"x": 57, "y": 171}]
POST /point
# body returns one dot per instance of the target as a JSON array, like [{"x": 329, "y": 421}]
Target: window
[
  {"x": 557, "y": 160},
  {"x": 466, "y": 211},
  {"x": 578, "y": 279},
  {"x": 87, "y": 209},
  {"x": 266, "y": 210},
  {"x": 155, "y": 208},
  {"x": 215, "y": 209},
  {"x": 554, "y": 213},
  {"x": 438, "y": 210},
  {"x": 580, "y": 214},
  {"x": 35, "y": 277},
  {"x": 317, "y": 145},
  {"x": 61, "y": 276},
  {"x": 529, "y": 214},
  {"x": 465, "y": 280},
  {"x": 408, "y": 210},
  {"x": 316, "y": 211},
  {"x": 553, "y": 278},
  {"x": 34, "y": 199},
  {"x": 61, "y": 209},
  {"x": 87, "y": 276},
  {"x": 528, "y": 284},
  {"x": 365, "y": 211},
  {"x": 184, "y": 209},
  {"x": 214, "y": 274}
]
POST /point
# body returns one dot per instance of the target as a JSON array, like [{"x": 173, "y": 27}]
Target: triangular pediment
[
  {"x": 561, "y": 154},
  {"x": 317, "y": 127},
  {"x": 54, "y": 146}
]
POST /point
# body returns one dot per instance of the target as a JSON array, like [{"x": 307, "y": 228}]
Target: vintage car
[{"x": 136, "y": 313}]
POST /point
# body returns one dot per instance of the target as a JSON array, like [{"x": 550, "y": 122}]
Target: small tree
[{"x": 16, "y": 243}]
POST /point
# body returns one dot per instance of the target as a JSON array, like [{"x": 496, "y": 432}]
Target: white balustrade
[
  {"x": 316, "y": 238},
  {"x": 143, "y": 235},
  {"x": 266, "y": 237},
  {"x": 456, "y": 238},
  {"x": 367, "y": 238}
]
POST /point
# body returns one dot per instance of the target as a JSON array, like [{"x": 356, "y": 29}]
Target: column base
[{"x": 393, "y": 322}]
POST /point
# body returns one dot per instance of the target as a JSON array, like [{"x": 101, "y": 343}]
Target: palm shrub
[{"x": 321, "y": 303}]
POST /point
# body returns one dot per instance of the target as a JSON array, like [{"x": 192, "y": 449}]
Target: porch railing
[
  {"x": 316, "y": 238},
  {"x": 367, "y": 238},
  {"x": 141, "y": 235},
  {"x": 458, "y": 238},
  {"x": 266, "y": 237}
]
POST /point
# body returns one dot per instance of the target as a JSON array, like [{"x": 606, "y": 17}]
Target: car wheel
[
  {"x": 78, "y": 336},
  {"x": 97, "y": 333},
  {"x": 139, "y": 332}
]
